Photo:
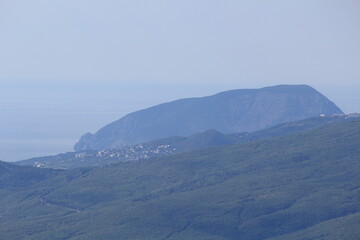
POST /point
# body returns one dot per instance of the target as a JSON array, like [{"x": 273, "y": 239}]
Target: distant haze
[{"x": 71, "y": 66}]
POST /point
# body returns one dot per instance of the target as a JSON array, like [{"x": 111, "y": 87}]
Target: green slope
[
  {"x": 14, "y": 177},
  {"x": 300, "y": 186},
  {"x": 339, "y": 228}
]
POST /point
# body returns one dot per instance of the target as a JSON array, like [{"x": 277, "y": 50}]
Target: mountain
[
  {"x": 176, "y": 144},
  {"x": 301, "y": 186},
  {"x": 231, "y": 111}
]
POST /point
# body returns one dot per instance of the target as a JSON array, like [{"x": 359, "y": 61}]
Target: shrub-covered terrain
[{"x": 302, "y": 186}]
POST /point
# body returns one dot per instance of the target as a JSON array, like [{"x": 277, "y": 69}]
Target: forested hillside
[{"x": 301, "y": 186}]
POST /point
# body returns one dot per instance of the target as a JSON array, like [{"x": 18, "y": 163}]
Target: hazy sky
[{"x": 70, "y": 66}]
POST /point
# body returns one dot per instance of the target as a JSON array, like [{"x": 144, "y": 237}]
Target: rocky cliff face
[{"x": 230, "y": 111}]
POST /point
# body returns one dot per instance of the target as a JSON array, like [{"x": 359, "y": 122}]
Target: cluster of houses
[
  {"x": 346, "y": 116},
  {"x": 129, "y": 153}
]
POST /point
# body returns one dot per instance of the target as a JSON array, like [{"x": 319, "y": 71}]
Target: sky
[{"x": 68, "y": 67}]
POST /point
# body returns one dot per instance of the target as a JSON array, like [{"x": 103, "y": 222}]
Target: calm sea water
[
  {"x": 32, "y": 133},
  {"x": 19, "y": 149}
]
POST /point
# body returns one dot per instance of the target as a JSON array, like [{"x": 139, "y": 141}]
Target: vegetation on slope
[{"x": 300, "y": 185}]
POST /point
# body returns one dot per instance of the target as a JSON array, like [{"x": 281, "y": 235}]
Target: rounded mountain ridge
[{"x": 230, "y": 111}]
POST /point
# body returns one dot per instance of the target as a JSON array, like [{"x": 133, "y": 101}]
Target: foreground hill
[
  {"x": 302, "y": 186},
  {"x": 227, "y": 112},
  {"x": 175, "y": 145},
  {"x": 12, "y": 176}
]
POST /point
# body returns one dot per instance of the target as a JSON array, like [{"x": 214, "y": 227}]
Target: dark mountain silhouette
[{"x": 231, "y": 111}]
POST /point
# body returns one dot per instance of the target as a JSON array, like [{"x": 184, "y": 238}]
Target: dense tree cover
[{"x": 302, "y": 186}]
